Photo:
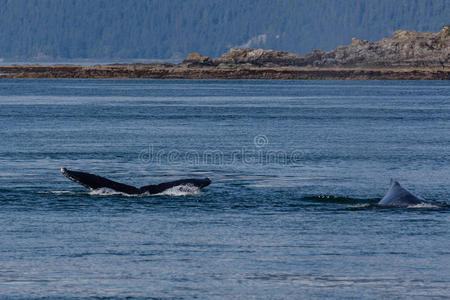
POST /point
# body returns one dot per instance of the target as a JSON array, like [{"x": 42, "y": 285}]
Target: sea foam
[{"x": 180, "y": 190}]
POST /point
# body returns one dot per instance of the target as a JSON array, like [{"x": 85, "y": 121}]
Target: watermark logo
[{"x": 260, "y": 141}]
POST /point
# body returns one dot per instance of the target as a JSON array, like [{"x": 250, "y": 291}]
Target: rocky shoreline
[
  {"x": 179, "y": 72},
  {"x": 408, "y": 55}
]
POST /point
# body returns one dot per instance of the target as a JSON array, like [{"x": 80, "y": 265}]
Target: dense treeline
[{"x": 164, "y": 29}]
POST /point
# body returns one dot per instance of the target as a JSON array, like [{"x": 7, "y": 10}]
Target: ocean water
[{"x": 297, "y": 168}]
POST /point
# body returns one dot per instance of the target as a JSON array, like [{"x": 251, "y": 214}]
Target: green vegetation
[{"x": 174, "y": 28}]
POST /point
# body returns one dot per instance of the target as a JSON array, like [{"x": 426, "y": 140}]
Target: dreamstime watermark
[{"x": 257, "y": 154}]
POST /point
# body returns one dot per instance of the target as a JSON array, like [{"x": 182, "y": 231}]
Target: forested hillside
[{"x": 164, "y": 29}]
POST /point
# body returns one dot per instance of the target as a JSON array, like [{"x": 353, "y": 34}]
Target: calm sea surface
[{"x": 296, "y": 168}]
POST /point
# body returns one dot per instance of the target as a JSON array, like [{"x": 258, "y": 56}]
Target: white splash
[
  {"x": 181, "y": 190},
  {"x": 107, "y": 192},
  {"x": 423, "y": 205},
  {"x": 256, "y": 41}
]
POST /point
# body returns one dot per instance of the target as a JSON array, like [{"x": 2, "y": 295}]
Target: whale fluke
[
  {"x": 398, "y": 196},
  {"x": 94, "y": 182}
]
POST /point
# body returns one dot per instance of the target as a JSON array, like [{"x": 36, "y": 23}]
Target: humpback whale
[
  {"x": 398, "y": 196},
  {"x": 93, "y": 182}
]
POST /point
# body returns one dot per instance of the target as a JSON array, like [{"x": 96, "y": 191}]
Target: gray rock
[{"x": 405, "y": 49}]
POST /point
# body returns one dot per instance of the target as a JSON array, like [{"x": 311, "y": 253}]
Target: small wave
[
  {"x": 423, "y": 205},
  {"x": 360, "y": 206},
  {"x": 181, "y": 190},
  {"x": 57, "y": 192},
  {"x": 339, "y": 200}
]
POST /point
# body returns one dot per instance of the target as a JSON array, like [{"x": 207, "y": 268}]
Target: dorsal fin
[{"x": 399, "y": 196}]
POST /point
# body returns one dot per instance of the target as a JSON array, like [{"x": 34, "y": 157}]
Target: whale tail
[{"x": 94, "y": 182}]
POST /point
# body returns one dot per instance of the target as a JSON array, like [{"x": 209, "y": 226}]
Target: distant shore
[
  {"x": 408, "y": 55},
  {"x": 166, "y": 71}
]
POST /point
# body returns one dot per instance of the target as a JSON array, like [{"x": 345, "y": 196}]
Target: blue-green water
[{"x": 297, "y": 168}]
